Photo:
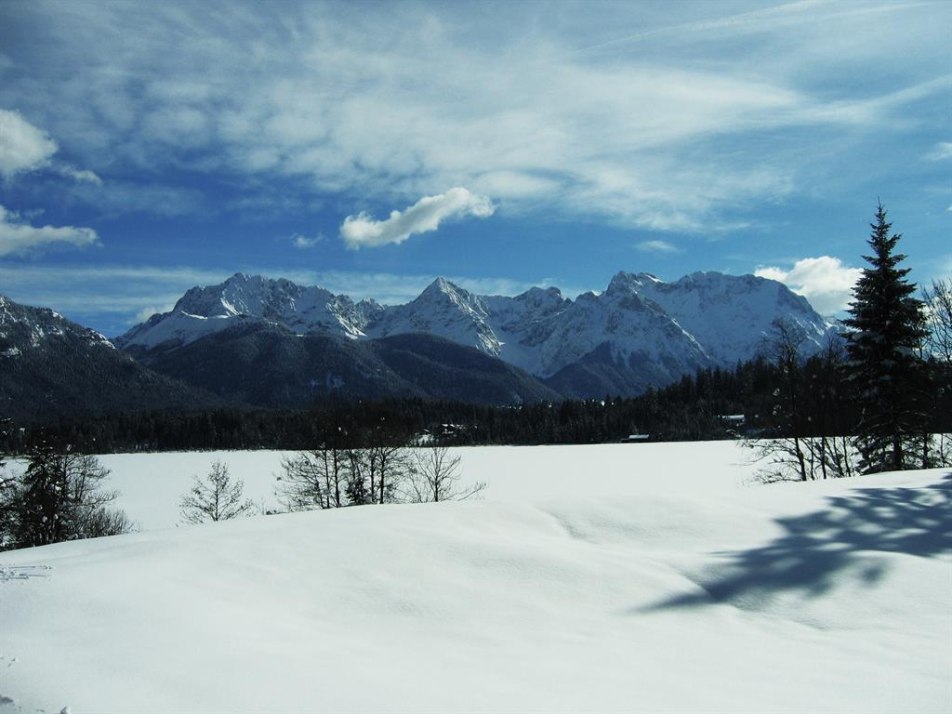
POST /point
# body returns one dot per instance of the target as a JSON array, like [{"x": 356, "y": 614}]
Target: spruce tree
[{"x": 886, "y": 328}]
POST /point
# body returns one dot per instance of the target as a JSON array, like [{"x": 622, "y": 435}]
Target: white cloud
[
  {"x": 82, "y": 175},
  {"x": 17, "y": 237},
  {"x": 658, "y": 246},
  {"x": 422, "y": 217},
  {"x": 824, "y": 281},
  {"x": 942, "y": 150},
  {"x": 23, "y": 147},
  {"x": 303, "y": 242}
]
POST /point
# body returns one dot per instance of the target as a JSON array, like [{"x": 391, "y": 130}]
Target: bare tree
[
  {"x": 215, "y": 497},
  {"x": 331, "y": 478},
  {"x": 806, "y": 442},
  {"x": 387, "y": 466},
  {"x": 314, "y": 479},
  {"x": 435, "y": 476},
  {"x": 938, "y": 312},
  {"x": 937, "y": 348}
]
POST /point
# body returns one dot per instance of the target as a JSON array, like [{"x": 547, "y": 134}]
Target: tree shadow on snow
[{"x": 819, "y": 550}]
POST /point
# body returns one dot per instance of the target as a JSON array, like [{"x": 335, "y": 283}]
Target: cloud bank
[
  {"x": 824, "y": 281},
  {"x": 18, "y": 238},
  {"x": 362, "y": 231}
]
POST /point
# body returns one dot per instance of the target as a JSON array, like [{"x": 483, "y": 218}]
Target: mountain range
[
  {"x": 639, "y": 333},
  {"x": 270, "y": 342}
]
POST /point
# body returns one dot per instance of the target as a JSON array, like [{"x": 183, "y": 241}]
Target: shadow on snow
[{"x": 819, "y": 550}]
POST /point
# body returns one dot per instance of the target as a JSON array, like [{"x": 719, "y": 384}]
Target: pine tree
[{"x": 886, "y": 328}]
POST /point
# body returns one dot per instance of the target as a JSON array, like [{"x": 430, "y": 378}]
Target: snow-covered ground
[{"x": 649, "y": 577}]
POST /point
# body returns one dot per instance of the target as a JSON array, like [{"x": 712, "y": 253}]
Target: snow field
[{"x": 650, "y": 577}]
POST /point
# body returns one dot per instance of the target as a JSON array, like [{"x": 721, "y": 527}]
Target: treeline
[{"x": 774, "y": 396}]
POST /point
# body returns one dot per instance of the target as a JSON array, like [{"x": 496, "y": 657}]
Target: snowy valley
[{"x": 654, "y": 577}]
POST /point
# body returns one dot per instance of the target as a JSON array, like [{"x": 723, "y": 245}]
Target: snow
[{"x": 622, "y": 577}]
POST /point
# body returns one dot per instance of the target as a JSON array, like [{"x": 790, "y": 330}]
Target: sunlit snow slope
[{"x": 611, "y": 578}]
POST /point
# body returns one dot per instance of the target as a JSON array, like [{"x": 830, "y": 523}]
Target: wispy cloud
[
  {"x": 303, "y": 242},
  {"x": 78, "y": 174},
  {"x": 18, "y": 237},
  {"x": 657, "y": 246},
  {"x": 824, "y": 281},
  {"x": 362, "y": 231},
  {"x": 640, "y": 129},
  {"x": 941, "y": 151}
]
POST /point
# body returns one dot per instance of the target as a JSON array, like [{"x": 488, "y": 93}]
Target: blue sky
[{"x": 370, "y": 147}]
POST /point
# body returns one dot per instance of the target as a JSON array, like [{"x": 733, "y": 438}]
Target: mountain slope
[
  {"x": 51, "y": 367},
  {"x": 267, "y": 365}
]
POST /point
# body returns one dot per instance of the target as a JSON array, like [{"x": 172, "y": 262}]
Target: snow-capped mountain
[
  {"x": 24, "y": 330},
  {"x": 445, "y": 310},
  {"x": 731, "y": 316},
  {"x": 704, "y": 319},
  {"x": 640, "y": 332},
  {"x": 206, "y": 310}
]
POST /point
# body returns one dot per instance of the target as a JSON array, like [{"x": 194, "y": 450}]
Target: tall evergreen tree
[{"x": 886, "y": 328}]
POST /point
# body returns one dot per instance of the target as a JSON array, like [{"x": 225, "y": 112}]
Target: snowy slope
[{"x": 599, "y": 579}]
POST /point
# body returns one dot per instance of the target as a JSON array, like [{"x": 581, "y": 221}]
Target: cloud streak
[
  {"x": 20, "y": 238},
  {"x": 824, "y": 281},
  {"x": 658, "y": 246},
  {"x": 424, "y": 216}
]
